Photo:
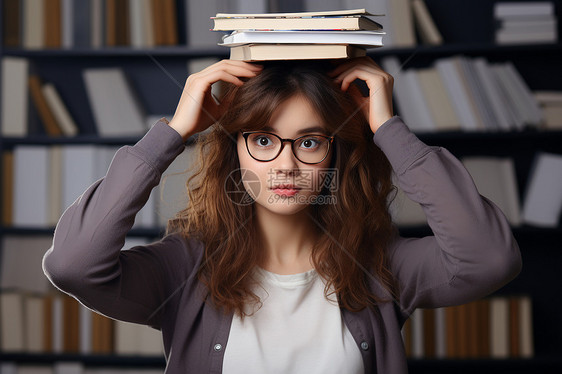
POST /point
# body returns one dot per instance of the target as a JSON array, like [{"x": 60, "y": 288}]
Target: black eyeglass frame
[{"x": 245, "y": 134}]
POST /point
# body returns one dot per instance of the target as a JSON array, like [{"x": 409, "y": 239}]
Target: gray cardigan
[{"x": 471, "y": 254}]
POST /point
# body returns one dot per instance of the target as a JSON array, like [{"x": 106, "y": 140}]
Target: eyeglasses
[{"x": 308, "y": 149}]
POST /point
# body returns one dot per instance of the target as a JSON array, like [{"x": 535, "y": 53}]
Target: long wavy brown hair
[{"x": 354, "y": 232}]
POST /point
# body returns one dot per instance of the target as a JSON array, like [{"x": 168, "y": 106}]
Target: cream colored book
[{"x": 258, "y": 52}]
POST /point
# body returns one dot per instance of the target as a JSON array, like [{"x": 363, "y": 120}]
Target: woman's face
[{"x": 260, "y": 177}]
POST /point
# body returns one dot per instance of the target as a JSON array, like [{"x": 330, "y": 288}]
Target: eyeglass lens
[{"x": 308, "y": 149}]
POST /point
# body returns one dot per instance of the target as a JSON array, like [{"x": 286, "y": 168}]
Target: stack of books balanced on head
[{"x": 296, "y": 36}]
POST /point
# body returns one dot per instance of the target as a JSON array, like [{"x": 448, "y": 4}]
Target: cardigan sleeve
[
  {"x": 472, "y": 251},
  {"x": 86, "y": 260}
]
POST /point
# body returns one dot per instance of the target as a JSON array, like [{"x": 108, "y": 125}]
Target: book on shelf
[
  {"x": 42, "y": 181},
  {"x": 463, "y": 93},
  {"x": 525, "y": 22},
  {"x": 42, "y": 106},
  {"x": 493, "y": 327},
  {"x": 15, "y": 99},
  {"x": 543, "y": 196},
  {"x": 425, "y": 26},
  {"x": 550, "y": 103},
  {"x": 496, "y": 180},
  {"x": 38, "y": 24},
  {"x": 115, "y": 103},
  {"x": 37, "y": 318}
]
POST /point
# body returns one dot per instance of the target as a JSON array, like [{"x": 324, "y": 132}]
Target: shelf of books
[{"x": 480, "y": 78}]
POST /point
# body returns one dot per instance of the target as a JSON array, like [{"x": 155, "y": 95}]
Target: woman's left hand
[{"x": 378, "y": 106}]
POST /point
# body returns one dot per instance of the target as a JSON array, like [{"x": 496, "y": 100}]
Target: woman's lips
[{"x": 286, "y": 191}]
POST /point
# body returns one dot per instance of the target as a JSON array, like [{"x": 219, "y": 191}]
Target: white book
[
  {"x": 424, "y": 121},
  {"x": 126, "y": 338},
  {"x": 522, "y": 96},
  {"x": 21, "y": 266},
  {"x": 362, "y": 38},
  {"x": 448, "y": 69},
  {"x": 150, "y": 341},
  {"x": 148, "y": 23},
  {"x": 81, "y": 168},
  {"x": 136, "y": 21},
  {"x": 510, "y": 95},
  {"x": 31, "y": 168},
  {"x": 543, "y": 198},
  {"x": 502, "y": 111},
  {"x": 116, "y": 109},
  {"x": 59, "y": 109},
  {"x": 417, "y": 334},
  {"x": 532, "y": 25},
  {"x": 33, "y": 27},
  {"x": 8, "y": 368},
  {"x": 440, "y": 334},
  {"x": 499, "y": 327},
  {"x": 526, "y": 9},
  {"x": 34, "y": 324},
  {"x": 57, "y": 322},
  {"x": 438, "y": 100},
  {"x": 96, "y": 24},
  {"x": 67, "y": 17},
  {"x": 478, "y": 94},
  {"x": 496, "y": 180},
  {"x": 401, "y": 91},
  {"x": 85, "y": 334},
  {"x": 15, "y": 102},
  {"x": 424, "y": 22},
  {"x": 526, "y": 37},
  {"x": 12, "y": 335},
  {"x": 54, "y": 187},
  {"x": 402, "y": 24},
  {"x": 526, "y": 341}
]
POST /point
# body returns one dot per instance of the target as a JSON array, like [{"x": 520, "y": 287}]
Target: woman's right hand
[{"x": 197, "y": 110}]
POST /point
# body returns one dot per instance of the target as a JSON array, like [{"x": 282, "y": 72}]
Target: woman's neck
[{"x": 287, "y": 241}]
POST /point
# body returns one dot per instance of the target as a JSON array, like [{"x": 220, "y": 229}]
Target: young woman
[{"x": 308, "y": 275}]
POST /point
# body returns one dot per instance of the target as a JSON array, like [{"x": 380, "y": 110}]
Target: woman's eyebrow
[{"x": 301, "y": 131}]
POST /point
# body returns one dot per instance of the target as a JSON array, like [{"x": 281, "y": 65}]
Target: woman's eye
[
  {"x": 263, "y": 141},
  {"x": 310, "y": 143}
]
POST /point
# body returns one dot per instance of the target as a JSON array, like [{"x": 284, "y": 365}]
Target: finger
[
  {"x": 236, "y": 70},
  {"x": 357, "y": 72},
  {"x": 348, "y": 63}
]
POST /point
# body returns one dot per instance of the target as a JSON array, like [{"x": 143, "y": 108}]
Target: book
[
  {"x": 41, "y": 105},
  {"x": 14, "y": 96},
  {"x": 31, "y": 168},
  {"x": 11, "y": 23},
  {"x": 360, "y": 38},
  {"x": 260, "y": 52},
  {"x": 115, "y": 105},
  {"x": 543, "y": 197},
  {"x": 60, "y": 112},
  {"x": 429, "y": 34},
  {"x": 496, "y": 180},
  {"x": 328, "y": 20}
]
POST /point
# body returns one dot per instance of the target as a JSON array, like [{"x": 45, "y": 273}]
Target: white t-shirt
[{"x": 295, "y": 331}]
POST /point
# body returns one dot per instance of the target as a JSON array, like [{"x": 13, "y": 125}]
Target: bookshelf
[{"x": 539, "y": 64}]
